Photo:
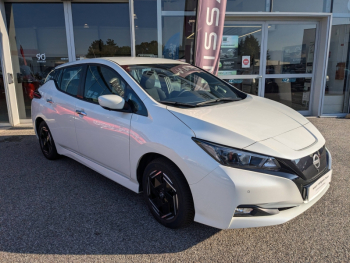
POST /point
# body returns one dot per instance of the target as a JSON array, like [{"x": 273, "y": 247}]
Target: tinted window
[
  {"x": 103, "y": 80},
  {"x": 70, "y": 79},
  {"x": 51, "y": 76},
  {"x": 38, "y": 43},
  {"x": 246, "y": 6},
  {"x": 101, "y": 29}
]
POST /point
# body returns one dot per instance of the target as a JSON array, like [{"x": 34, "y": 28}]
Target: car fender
[{"x": 162, "y": 133}]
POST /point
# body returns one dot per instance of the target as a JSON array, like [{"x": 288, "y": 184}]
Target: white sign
[
  {"x": 245, "y": 61},
  {"x": 319, "y": 185},
  {"x": 41, "y": 57}
]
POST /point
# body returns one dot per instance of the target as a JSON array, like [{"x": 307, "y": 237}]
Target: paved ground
[{"x": 63, "y": 211}]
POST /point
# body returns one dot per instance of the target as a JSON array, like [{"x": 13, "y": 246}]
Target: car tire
[
  {"x": 168, "y": 194},
  {"x": 47, "y": 144}
]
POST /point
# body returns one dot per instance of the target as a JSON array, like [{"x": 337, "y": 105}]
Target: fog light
[
  {"x": 243, "y": 211},
  {"x": 253, "y": 210}
]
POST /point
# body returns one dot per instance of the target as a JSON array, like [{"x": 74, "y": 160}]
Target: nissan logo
[{"x": 316, "y": 161}]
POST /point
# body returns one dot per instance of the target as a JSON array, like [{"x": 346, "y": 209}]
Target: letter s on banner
[
  {"x": 215, "y": 40},
  {"x": 210, "y": 25}
]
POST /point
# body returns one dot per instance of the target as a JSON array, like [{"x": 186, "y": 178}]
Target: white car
[{"x": 198, "y": 148}]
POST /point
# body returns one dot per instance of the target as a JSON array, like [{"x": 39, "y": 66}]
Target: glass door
[
  {"x": 4, "y": 118},
  {"x": 273, "y": 59},
  {"x": 241, "y": 56},
  {"x": 38, "y": 43},
  {"x": 288, "y": 66}
]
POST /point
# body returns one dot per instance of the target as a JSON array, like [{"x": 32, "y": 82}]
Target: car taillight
[{"x": 36, "y": 94}]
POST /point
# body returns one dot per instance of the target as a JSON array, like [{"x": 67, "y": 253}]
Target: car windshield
[{"x": 183, "y": 85}]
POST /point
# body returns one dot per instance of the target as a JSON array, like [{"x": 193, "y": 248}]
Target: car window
[
  {"x": 183, "y": 84},
  {"x": 135, "y": 102},
  {"x": 70, "y": 79},
  {"x": 54, "y": 75},
  {"x": 101, "y": 80},
  {"x": 50, "y": 76}
]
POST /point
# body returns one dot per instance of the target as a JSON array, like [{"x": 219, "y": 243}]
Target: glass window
[
  {"x": 338, "y": 73},
  {"x": 3, "y": 106},
  {"x": 179, "y": 5},
  {"x": 293, "y": 92},
  {"x": 341, "y": 6},
  {"x": 70, "y": 80},
  {"x": 102, "y": 81},
  {"x": 250, "y": 86},
  {"x": 301, "y": 6},
  {"x": 183, "y": 85},
  {"x": 239, "y": 42},
  {"x": 38, "y": 43},
  {"x": 290, "y": 48},
  {"x": 51, "y": 76},
  {"x": 101, "y": 29},
  {"x": 246, "y": 6},
  {"x": 146, "y": 32},
  {"x": 178, "y": 37}
]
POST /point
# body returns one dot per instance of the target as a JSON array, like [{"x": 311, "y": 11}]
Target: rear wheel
[
  {"x": 168, "y": 194},
  {"x": 46, "y": 141}
]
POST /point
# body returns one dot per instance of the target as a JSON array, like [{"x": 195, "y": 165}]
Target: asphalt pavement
[{"x": 62, "y": 211}]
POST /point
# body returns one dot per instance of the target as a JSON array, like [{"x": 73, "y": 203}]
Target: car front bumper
[{"x": 218, "y": 195}]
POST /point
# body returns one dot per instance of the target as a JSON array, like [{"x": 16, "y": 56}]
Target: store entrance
[
  {"x": 272, "y": 59},
  {"x": 4, "y": 118}
]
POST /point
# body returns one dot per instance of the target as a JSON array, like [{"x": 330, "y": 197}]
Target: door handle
[
  {"x": 49, "y": 101},
  {"x": 81, "y": 112}
]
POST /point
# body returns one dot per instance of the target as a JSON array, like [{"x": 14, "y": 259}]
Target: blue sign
[
  {"x": 289, "y": 80},
  {"x": 237, "y": 81},
  {"x": 171, "y": 48}
]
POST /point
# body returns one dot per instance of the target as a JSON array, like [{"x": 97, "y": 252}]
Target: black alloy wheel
[
  {"x": 168, "y": 194},
  {"x": 162, "y": 195},
  {"x": 47, "y": 143}
]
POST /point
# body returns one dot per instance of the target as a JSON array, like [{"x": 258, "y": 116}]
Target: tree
[{"x": 109, "y": 49}]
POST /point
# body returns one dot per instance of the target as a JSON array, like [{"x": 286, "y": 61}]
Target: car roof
[
  {"x": 126, "y": 61},
  {"x": 142, "y": 60}
]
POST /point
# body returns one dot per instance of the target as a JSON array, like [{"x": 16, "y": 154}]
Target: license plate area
[{"x": 314, "y": 189}]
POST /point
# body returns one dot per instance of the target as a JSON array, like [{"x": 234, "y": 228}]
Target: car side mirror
[{"x": 113, "y": 102}]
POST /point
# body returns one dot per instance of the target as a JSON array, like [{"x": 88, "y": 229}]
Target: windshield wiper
[
  {"x": 218, "y": 100},
  {"x": 176, "y": 103}
]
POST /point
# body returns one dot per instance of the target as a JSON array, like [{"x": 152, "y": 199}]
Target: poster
[
  {"x": 294, "y": 59},
  {"x": 228, "y": 55}
]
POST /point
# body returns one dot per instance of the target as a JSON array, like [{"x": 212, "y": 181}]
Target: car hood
[{"x": 243, "y": 123}]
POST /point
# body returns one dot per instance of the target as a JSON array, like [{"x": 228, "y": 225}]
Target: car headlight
[{"x": 237, "y": 158}]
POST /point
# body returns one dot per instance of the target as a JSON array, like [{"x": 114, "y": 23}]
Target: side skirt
[{"x": 118, "y": 178}]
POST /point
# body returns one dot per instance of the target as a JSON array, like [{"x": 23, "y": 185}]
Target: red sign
[{"x": 246, "y": 61}]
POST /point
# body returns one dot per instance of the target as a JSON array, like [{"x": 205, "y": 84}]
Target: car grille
[{"x": 306, "y": 170}]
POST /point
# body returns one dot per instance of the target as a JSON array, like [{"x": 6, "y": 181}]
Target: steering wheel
[{"x": 182, "y": 92}]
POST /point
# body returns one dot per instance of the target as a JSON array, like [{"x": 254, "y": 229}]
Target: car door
[
  {"x": 61, "y": 102},
  {"x": 103, "y": 135}
]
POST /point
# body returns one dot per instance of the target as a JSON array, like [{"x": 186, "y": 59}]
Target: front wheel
[
  {"x": 46, "y": 141},
  {"x": 168, "y": 194}
]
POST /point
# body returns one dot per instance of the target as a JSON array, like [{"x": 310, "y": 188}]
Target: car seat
[
  {"x": 148, "y": 81},
  {"x": 167, "y": 86},
  {"x": 117, "y": 87}
]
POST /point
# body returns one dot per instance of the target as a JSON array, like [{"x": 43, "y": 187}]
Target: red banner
[{"x": 210, "y": 25}]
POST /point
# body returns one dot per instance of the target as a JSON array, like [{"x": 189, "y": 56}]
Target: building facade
[{"x": 294, "y": 52}]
